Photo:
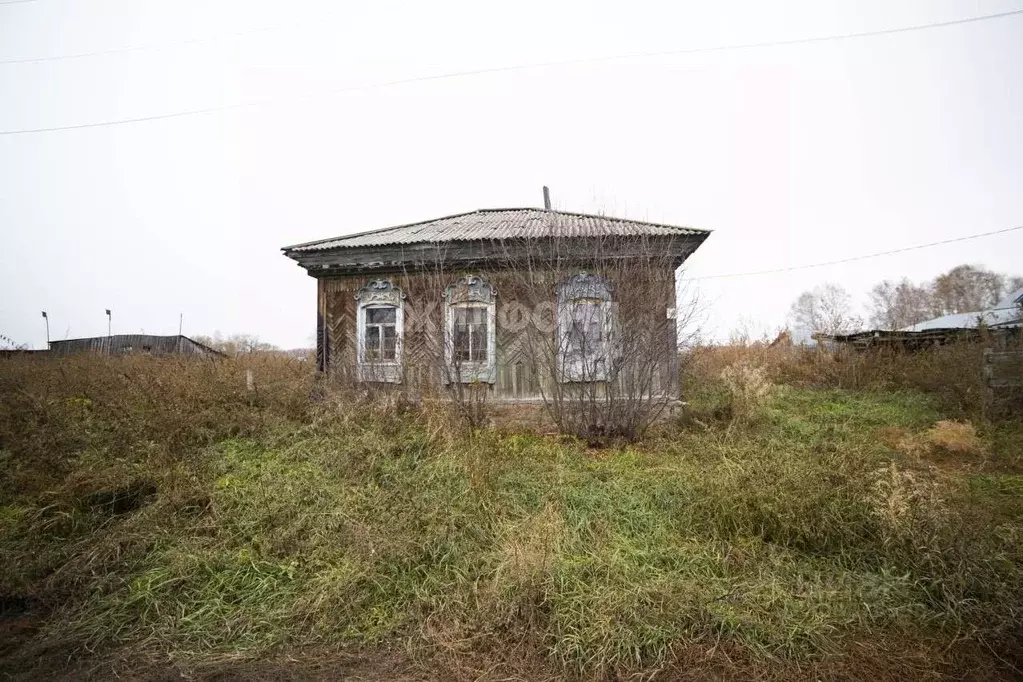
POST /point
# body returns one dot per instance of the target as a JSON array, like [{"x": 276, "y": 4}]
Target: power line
[
  {"x": 518, "y": 67},
  {"x": 139, "y": 48},
  {"x": 194, "y": 41},
  {"x": 856, "y": 258}
]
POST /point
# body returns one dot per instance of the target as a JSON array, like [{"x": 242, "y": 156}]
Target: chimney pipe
[{"x": 546, "y": 198}]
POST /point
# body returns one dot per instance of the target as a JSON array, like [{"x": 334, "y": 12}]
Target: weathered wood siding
[
  {"x": 1003, "y": 382},
  {"x": 125, "y": 344},
  {"x": 517, "y": 376}
]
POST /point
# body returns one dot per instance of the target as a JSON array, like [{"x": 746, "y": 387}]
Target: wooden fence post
[{"x": 989, "y": 391}]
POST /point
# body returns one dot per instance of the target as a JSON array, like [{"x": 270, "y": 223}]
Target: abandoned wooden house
[{"x": 522, "y": 302}]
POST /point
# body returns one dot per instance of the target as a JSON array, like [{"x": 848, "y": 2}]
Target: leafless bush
[
  {"x": 605, "y": 346},
  {"x": 748, "y": 388},
  {"x": 587, "y": 327}
]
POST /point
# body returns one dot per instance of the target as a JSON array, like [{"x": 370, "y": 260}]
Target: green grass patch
[{"x": 790, "y": 540}]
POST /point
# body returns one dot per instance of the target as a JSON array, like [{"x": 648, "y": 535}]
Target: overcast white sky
[{"x": 791, "y": 155}]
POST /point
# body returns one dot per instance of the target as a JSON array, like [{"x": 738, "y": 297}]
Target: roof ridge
[{"x": 621, "y": 220}]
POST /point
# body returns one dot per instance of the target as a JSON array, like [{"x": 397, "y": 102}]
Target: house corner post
[{"x": 322, "y": 344}]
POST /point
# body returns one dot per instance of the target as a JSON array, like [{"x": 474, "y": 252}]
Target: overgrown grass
[{"x": 805, "y": 544}]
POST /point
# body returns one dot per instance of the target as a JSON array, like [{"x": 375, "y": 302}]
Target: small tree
[
  {"x": 826, "y": 309},
  {"x": 967, "y": 288},
  {"x": 897, "y": 305},
  {"x": 236, "y": 343}
]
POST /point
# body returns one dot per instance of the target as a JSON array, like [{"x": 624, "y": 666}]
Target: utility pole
[
  {"x": 47, "y": 330},
  {"x": 181, "y": 320},
  {"x": 108, "y": 321}
]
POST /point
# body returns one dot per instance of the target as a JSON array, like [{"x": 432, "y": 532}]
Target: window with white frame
[
  {"x": 380, "y": 320},
  {"x": 470, "y": 333},
  {"x": 470, "y": 342},
  {"x": 380, "y": 342},
  {"x": 585, "y": 328}
]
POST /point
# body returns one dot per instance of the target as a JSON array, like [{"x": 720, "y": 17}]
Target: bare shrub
[
  {"x": 609, "y": 342},
  {"x": 748, "y": 389},
  {"x": 588, "y": 327}
]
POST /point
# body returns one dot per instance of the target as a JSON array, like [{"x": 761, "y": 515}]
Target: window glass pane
[
  {"x": 388, "y": 346},
  {"x": 586, "y": 330},
  {"x": 479, "y": 342},
  {"x": 372, "y": 342},
  {"x": 461, "y": 343},
  {"x": 470, "y": 329},
  {"x": 381, "y": 315}
]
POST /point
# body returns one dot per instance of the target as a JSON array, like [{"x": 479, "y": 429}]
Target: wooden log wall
[{"x": 517, "y": 376}]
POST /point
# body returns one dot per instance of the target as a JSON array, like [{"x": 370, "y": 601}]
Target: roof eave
[{"x": 397, "y": 257}]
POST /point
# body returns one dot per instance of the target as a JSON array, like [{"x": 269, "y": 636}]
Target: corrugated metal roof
[
  {"x": 996, "y": 317},
  {"x": 499, "y": 223},
  {"x": 1013, "y": 299}
]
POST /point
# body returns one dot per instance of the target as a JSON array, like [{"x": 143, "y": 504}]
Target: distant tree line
[
  {"x": 963, "y": 289},
  {"x": 236, "y": 344},
  {"x": 829, "y": 308}
]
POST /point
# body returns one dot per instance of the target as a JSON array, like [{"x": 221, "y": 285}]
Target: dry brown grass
[
  {"x": 748, "y": 390},
  {"x": 135, "y": 409},
  {"x": 955, "y": 438},
  {"x": 952, "y": 374},
  {"x": 901, "y": 440}
]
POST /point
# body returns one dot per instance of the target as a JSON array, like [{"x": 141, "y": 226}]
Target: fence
[{"x": 1003, "y": 382}]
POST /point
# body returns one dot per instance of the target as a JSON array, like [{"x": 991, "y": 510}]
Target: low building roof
[
  {"x": 471, "y": 239},
  {"x": 1005, "y": 313},
  {"x": 498, "y": 224},
  {"x": 1013, "y": 299},
  {"x": 990, "y": 318}
]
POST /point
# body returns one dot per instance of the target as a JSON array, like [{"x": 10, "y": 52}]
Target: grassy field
[{"x": 156, "y": 520}]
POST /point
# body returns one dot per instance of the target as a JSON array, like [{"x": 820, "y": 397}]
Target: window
[
  {"x": 470, "y": 314},
  {"x": 380, "y": 327},
  {"x": 470, "y": 334},
  {"x": 381, "y": 333},
  {"x": 585, "y": 328}
]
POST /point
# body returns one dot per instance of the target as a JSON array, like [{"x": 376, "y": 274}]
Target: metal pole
[{"x": 45, "y": 317}]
